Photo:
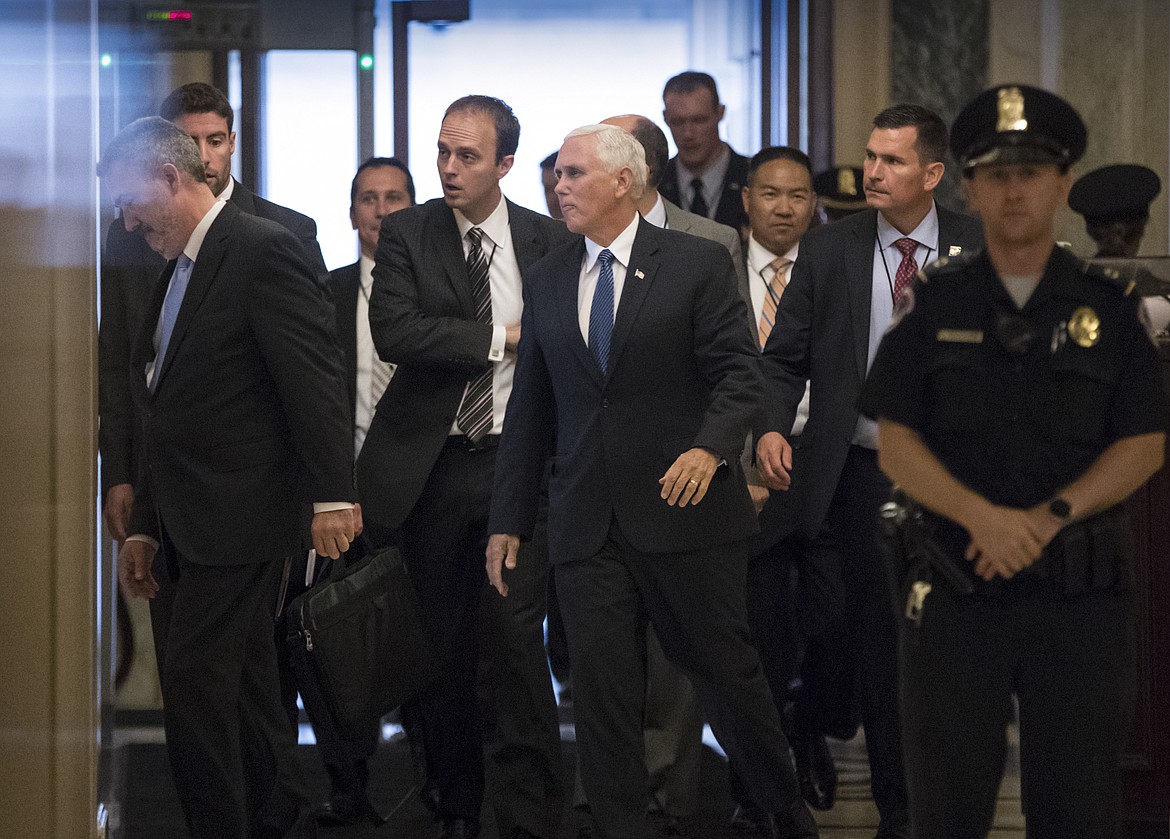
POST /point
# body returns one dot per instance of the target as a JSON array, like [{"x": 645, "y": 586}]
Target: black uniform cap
[
  {"x": 1118, "y": 192},
  {"x": 840, "y": 188},
  {"x": 1017, "y": 124}
]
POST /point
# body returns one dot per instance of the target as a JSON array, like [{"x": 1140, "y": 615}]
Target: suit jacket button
[{"x": 604, "y": 403}]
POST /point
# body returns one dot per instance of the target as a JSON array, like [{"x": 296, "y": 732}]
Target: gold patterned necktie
[{"x": 774, "y": 289}]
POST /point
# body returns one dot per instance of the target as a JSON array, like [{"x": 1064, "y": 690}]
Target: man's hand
[
  {"x": 333, "y": 531},
  {"x": 511, "y": 338},
  {"x": 358, "y": 524},
  {"x": 774, "y": 460},
  {"x": 759, "y": 496},
  {"x": 116, "y": 512},
  {"x": 1006, "y": 540},
  {"x": 502, "y": 551},
  {"x": 134, "y": 574},
  {"x": 688, "y": 478}
]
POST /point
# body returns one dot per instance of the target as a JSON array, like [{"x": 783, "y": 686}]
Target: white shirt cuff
[
  {"x": 499, "y": 339},
  {"x": 142, "y": 537},
  {"x": 330, "y": 506}
]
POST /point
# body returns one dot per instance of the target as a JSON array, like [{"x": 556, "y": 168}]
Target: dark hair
[
  {"x": 689, "y": 82},
  {"x": 196, "y": 98},
  {"x": 654, "y": 144},
  {"x": 767, "y": 155},
  {"x": 931, "y": 144},
  {"x": 375, "y": 163},
  {"x": 148, "y": 143},
  {"x": 507, "y": 126},
  {"x": 550, "y": 162}
]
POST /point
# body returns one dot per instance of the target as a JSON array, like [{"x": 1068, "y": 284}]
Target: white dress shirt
[
  {"x": 507, "y": 301},
  {"x": 591, "y": 271},
  {"x": 759, "y": 264},
  {"x": 886, "y": 259},
  {"x": 367, "y": 356},
  {"x": 657, "y": 214}
]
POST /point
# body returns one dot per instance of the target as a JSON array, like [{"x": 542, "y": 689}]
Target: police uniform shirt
[{"x": 1017, "y": 404}]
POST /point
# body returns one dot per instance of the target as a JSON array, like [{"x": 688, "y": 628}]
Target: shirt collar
[
  {"x": 494, "y": 227},
  {"x": 657, "y": 214},
  {"x": 719, "y": 166},
  {"x": 191, "y": 249},
  {"x": 760, "y": 257},
  {"x": 926, "y": 233},
  {"x": 620, "y": 247},
  {"x": 228, "y": 190},
  {"x": 366, "y": 271}
]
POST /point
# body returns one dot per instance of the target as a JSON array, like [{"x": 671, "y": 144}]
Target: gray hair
[
  {"x": 148, "y": 143},
  {"x": 617, "y": 150}
]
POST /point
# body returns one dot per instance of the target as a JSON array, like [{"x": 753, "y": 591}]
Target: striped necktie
[
  {"x": 774, "y": 289},
  {"x": 601, "y": 312},
  {"x": 475, "y": 412}
]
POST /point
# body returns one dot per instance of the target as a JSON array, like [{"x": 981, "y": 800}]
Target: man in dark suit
[
  {"x": 382, "y": 185},
  {"x": 236, "y": 377},
  {"x": 129, "y": 271},
  {"x": 706, "y": 175},
  {"x": 648, "y": 507},
  {"x": 780, "y": 204},
  {"x": 835, "y": 308},
  {"x": 445, "y": 307}
]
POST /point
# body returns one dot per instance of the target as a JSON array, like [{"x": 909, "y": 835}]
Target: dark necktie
[
  {"x": 475, "y": 413},
  {"x": 601, "y": 313},
  {"x": 698, "y": 202},
  {"x": 906, "y": 270},
  {"x": 169, "y": 314}
]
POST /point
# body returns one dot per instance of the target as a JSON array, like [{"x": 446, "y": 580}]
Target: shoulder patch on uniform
[{"x": 1106, "y": 275}]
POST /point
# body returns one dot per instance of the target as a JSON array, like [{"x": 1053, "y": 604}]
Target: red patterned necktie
[{"x": 906, "y": 270}]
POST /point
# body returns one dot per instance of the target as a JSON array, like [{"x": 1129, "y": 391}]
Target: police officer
[
  {"x": 1019, "y": 400},
  {"x": 1115, "y": 202},
  {"x": 839, "y": 192}
]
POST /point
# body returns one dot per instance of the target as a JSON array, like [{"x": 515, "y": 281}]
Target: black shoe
[
  {"x": 748, "y": 818},
  {"x": 815, "y": 770},
  {"x": 338, "y": 812},
  {"x": 797, "y": 823},
  {"x": 520, "y": 833},
  {"x": 459, "y": 829}
]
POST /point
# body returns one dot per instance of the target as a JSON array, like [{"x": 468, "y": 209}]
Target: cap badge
[
  {"x": 1084, "y": 327},
  {"x": 846, "y": 182},
  {"x": 1011, "y": 110}
]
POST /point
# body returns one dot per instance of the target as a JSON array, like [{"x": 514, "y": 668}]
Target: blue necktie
[
  {"x": 601, "y": 314},
  {"x": 169, "y": 314}
]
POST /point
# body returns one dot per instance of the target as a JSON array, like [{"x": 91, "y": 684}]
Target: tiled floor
[{"x": 148, "y": 807}]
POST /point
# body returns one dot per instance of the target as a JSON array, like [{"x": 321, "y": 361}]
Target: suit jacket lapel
[
  {"x": 203, "y": 273},
  {"x": 639, "y": 275},
  {"x": 143, "y": 350},
  {"x": 859, "y": 264},
  {"x": 449, "y": 245},
  {"x": 566, "y": 283},
  {"x": 524, "y": 239}
]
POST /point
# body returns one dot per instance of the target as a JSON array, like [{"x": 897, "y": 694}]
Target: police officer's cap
[
  {"x": 840, "y": 188},
  {"x": 1118, "y": 192},
  {"x": 1017, "y": 123}
]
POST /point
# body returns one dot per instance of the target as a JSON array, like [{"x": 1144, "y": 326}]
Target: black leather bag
[{"x": 357, "y": 644}]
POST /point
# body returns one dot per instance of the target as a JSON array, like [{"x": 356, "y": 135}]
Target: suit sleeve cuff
[{"x": 330, "y": 506}]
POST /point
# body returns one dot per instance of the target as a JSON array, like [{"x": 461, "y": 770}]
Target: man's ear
[
  {"x": 505, "y": 165},
  {"x": 934, "y": 173}
]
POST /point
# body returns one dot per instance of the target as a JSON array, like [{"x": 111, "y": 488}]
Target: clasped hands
[
  {"x": 1006, "y": 540},
  {"x": 685, "y": 482}
]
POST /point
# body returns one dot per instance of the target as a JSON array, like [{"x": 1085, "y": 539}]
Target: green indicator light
[
  {"x": 366, "y": 62},
  {"x": 107, "y": 59}
]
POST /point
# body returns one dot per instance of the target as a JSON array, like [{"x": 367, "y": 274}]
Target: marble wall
[{"x": 1109, "y": 58}]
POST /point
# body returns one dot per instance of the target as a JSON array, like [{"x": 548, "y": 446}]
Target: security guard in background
[
  {"x": 839, "y": 192},
  {"x": 1115, "y": 201},
  {"x": 1019, "y": 400}
]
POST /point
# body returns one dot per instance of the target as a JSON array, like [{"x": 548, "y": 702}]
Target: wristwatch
[{"x": 1060, "y": 508}]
